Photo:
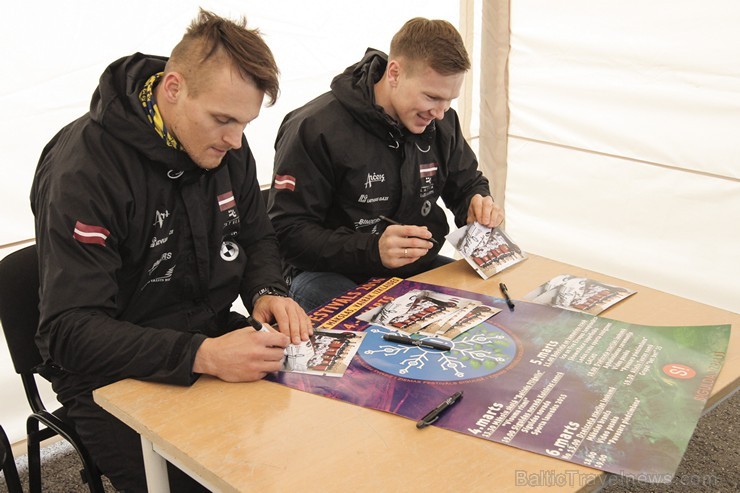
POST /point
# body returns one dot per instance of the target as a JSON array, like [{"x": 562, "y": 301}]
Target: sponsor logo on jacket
[
  {"x": 229, "y": 250},
  {"x": 159, "y": 218},
  {"x": 162, "y": 258},
  {"x": 166, "y": 258},
  {"x": 427, "y": 172},
  {"x": 160, "y": 241},
  {"x": 374, "y": 178},
  {"x": 364, "y": 223},
  {"x": 229, "y": 212},
  {"x": 365, "y": 199}
]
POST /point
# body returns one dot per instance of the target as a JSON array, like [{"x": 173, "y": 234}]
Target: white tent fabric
[
  {"x": 494, "y": 109},
  {"x": 622, "y": 151},
  {"x": 54, "y": 52}
]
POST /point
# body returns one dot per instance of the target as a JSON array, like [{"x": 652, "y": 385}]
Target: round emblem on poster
[
  {"x": 229, "y": 250},
  {"x": 677, "y": 370},
  {"x": 480, "y": 352}
]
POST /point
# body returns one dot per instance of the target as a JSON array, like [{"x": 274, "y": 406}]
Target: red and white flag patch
[
  {"x": 226, "y": 201},
  {"x": 285, "y": 182},
  {"x": 428, "y": 169},
  {"x": 84, "y": 233}
]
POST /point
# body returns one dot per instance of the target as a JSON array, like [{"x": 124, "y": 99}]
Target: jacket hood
[
  {"x": 116, "y": 107},
  {"x": 354, "y": 89}
]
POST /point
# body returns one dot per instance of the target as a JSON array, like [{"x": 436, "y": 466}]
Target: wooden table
[{"x": 265, "y": 437}]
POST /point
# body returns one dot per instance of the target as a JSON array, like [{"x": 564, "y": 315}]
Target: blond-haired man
[{"x": 380, "y": 148}]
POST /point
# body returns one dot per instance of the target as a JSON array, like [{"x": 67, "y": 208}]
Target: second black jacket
[{"x": 341, "y": 162}]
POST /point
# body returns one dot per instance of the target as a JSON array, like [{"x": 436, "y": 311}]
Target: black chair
[
  {"x": 7, "y": 465},
  {"x": 19, "y": 316}
]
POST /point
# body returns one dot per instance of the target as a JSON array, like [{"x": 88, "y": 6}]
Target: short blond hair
[{"x": 433, "y": 42}]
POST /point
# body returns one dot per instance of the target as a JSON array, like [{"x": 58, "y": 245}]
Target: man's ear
[
  {"x": 172, "y": 85},
  {"x": 393, "y": 72}
]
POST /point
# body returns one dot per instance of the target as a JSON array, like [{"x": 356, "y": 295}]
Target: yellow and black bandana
[{"x": 150, "y": 105}]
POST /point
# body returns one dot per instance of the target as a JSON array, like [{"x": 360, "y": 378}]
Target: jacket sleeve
[
  {"x": 257, "y": 237},
  {"x": 302, "y": 196},
  {"x": 465, "y": 179},
  {"x": 78, "y": 330}
]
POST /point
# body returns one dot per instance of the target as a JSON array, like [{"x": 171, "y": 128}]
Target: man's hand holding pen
[
  {"x": 403, "y": 244},
  {"x": 241, "y": 355}
]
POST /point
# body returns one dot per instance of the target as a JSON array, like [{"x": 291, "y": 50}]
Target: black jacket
[
  {"x": 141, "y": 251},
  {"x": 341, "y": 162}
]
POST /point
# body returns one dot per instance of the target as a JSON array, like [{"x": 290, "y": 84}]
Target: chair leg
[
  {"x": 89, "y": 473},
  {"x": 12, "y": 480},
  {"x": 34, "y": 456}
]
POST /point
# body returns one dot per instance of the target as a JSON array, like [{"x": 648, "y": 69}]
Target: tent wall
[
  {"x": 54, "y": 52},
  {"x": 622, "y": 150},
  {"x": 494, "y": 109}
]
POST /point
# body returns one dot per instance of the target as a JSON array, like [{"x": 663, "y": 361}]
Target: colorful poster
[{"x": 619, "y": 397}]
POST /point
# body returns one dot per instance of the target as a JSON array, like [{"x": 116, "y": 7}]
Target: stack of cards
[
  {"x": 430, "y": 313},
  {"x": 487, "y": 250}
]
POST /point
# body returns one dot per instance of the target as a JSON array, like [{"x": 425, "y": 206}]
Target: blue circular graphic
[{"x": 479, "y": 352}]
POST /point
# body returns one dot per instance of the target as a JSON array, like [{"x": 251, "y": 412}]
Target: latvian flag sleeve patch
[
  {"x": 285, "y": 182},
  {"x": 84, "y": 233},
  {"x": 226, "y": 201}
]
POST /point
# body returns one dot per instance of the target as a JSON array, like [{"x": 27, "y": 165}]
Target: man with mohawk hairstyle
[{"x": 150, "y": 223}]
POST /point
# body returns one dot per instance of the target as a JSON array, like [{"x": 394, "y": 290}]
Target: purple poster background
[{"x": 619, "y": 397}]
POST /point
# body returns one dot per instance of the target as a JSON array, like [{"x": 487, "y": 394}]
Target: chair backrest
[
  {"x": 19, "y": 307},
  {"x": 19, "y": 316}
]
